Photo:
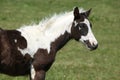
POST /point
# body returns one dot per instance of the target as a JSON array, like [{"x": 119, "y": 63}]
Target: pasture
[{"x": 74, "y": 61}]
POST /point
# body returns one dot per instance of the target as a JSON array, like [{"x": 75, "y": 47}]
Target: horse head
[{"x": 81, "y": 29}]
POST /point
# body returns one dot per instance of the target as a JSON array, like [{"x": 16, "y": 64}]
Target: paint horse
[{"x": 32, "y": 49}]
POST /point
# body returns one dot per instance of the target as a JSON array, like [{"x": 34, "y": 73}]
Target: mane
[{"x": 47, "y": 21}]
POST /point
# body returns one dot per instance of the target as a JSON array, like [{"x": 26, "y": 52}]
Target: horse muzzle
[{"x": 91, "y": 45}]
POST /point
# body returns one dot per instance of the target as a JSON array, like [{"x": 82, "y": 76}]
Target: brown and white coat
[{"x": 32, "y": 49}]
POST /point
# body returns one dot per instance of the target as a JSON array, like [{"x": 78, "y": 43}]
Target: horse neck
[
  {"x": 58, "y": 24},
  {"x": 59, "y": 30},
  {"x": 60, "y": 41}
]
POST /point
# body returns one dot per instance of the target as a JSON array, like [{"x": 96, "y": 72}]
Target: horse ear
[
  {"x": 87, "y": 13},
  {"x": 76, "y": 12}
]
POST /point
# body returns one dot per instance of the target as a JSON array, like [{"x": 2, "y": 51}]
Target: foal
[{"x": 32, "y": 49}]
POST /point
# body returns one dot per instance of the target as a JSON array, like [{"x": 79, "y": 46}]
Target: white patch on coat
[
  {"x": 32, "y": 72},
  {"x": 15, "y": 40},
  {"x": 46, "y": 32},
  {"x": 75, "y": 23},
  {"x": 90, "y": 35},
  {"x": 79, "y": 28}
]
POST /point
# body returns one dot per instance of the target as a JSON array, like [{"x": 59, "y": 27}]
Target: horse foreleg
[
  {"x": 37, "y": 75},
  {"x": 40, "y": 75},
  {"x": 32, "y": 73}
]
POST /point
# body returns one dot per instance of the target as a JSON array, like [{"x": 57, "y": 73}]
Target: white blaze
[{"x": 90, "y": 35}]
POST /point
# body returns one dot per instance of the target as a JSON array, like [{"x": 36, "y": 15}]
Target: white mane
[{"x": 47, "y": 31}]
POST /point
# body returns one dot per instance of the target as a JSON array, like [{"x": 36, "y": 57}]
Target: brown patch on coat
[
  {"x": 16, "y": 35},
  {"x": 12, "y": 62}
]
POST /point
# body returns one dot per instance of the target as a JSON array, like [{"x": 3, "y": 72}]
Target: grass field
[{"x": 74, "y": 61}]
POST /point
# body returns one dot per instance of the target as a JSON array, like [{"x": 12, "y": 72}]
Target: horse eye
[{"x": 83, "y": 25}]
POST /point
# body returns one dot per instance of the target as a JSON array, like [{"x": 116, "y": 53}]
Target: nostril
[
  {"x": 93, "y": 44},
  {"x": 96, "y": 46}
]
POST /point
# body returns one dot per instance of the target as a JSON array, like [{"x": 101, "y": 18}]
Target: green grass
[{"x": 74, "y": 61}]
